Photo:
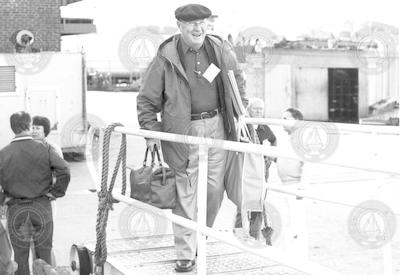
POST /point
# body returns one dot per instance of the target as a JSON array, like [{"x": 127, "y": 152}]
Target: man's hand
[
  {"x": 271, "y": 158},
  {"x": 50, "y": 196},
  {"x": 7, "y": 200},
  {"x": 150, "y": 142}
]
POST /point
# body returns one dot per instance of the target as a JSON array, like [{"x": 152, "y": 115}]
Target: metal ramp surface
[{"x": 155, "y": 255}]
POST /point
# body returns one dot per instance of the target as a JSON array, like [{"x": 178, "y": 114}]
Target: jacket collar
[
  {"x": 168, "y": 50},
  {"x": 186, "y": 47},
  {"x": 20, "y": 138}
]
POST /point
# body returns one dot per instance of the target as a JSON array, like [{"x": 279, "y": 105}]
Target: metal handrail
[
  {"x": 199, "y": 226},
  {"x": 270, "y": 253},
  {"x": 272, "y": 151},
  {"x": 340, "y": 127}
]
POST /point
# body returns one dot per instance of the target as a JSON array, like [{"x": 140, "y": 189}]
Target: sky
[{"x": 288, "y": 18}]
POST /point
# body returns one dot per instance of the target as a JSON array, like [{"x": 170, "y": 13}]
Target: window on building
[{"x": 7, "y": 79}]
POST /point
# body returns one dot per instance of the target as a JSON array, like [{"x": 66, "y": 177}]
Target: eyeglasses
[{"x": 201, "y": 23}]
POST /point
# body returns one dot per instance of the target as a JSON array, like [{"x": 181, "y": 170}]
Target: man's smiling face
[{"x": 193, "y": 32}]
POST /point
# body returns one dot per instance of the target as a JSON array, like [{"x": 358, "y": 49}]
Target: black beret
[{"x": 192, "y": 12}]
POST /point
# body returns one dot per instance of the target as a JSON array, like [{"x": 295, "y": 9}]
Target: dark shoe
[
  {"x": 267, "y": 234},
  {"x": 184, "y": 265}
]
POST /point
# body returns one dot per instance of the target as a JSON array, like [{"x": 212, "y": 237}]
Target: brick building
[{"x": 42, "y": 18}]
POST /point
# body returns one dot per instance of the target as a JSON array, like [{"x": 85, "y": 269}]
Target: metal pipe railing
[
  {"x": 340, "y": 127},
  {"x": 204, "y": 144},
  {"x": 306, "y": 194},
  {"x": 270, "y": 253},
  {"x": 272, "y": 151}
]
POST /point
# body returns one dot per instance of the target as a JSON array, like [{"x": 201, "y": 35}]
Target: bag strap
[
  {"x": 158, "y": 155},
  {"x": 163, "y": 169},
  {"x": 164, "y": 176},
  {"x": 152, "y": 157},
  {"x": 243, "y": 133}
]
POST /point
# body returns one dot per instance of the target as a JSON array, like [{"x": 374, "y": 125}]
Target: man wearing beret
[{"x": 187, "y": 83}]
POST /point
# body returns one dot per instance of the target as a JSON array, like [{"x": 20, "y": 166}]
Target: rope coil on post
[{"x": 105, "y": 198}]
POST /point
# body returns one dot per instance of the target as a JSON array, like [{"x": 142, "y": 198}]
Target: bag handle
[
  {"x": 145, "y": 157},
  {"x": 164, "y": 176},
  {"x": 158, "y": 155},
  {"x": 153, "y": 156},
  {"x": 163, "y": 169},
  {"x": 243, "y": 133}
]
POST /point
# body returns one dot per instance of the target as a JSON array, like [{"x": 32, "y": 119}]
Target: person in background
[
  {"x": 26, "y": 176},
  {"x": 40, "y": 131},
  {"x": 240, "y": 50},
  {"x": 264, "y": 133},
  {"x": 230, "y": 40},
  {"x": 7, "y": 265},
  {"x": 257, "y": 49},
  {"x": 261, "y": 134},
  {"x": 290, "y": 172}
]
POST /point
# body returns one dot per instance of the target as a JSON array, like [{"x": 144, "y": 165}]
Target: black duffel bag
[{"x": 154, "y": 185}]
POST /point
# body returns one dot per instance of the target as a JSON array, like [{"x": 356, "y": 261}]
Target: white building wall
[{"x": 55, "y": 92}]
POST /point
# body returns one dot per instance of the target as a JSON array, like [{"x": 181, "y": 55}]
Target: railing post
[
  {"x": 387, "y": 259},
  {"x": 93, "y": 164},
  {"x": 97, "y": 173},
  {"x": 300, "y": 217},
  {"x": 380, "y": 182},
  {"x": 202, "y": 204},
  {"x": 202, "y": 209}
]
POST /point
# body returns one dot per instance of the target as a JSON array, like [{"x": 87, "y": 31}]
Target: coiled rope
[{"x": 105, "y": 197}]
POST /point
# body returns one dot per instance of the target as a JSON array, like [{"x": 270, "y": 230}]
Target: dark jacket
[
  {"x": 265, "y": 133},
  {"x": 166, "y": 90},
  {"x": 6, "y": 263},
  {"x": 27, "y": 168}
]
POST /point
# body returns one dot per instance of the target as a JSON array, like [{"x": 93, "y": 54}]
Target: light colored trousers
[{"x": 186, "y": 184}]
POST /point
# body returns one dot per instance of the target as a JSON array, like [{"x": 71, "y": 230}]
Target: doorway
[{"x": 343, "y": 95}]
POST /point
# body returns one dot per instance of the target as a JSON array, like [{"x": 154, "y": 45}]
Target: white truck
[{"x": 51, "y": 84}]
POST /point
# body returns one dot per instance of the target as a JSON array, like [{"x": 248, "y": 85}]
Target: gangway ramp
[
  {"x": 155, "y": 255},
  {"x": 225, "y": 256}
]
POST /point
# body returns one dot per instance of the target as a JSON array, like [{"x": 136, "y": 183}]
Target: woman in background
[{"x": 290, "y": 172}]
